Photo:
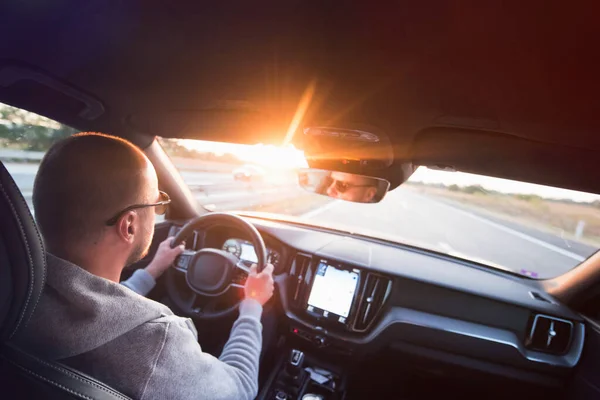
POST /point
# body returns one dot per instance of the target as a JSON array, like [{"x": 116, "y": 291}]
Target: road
[
  {"x": 404, "y": 215},
  {"x": 214, "y": 190}
]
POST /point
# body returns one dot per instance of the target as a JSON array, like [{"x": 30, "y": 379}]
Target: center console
[
  {"x": 301, "y": 377},
  {"x": 331, "y": 298},
  {"x": 330, "y": 303}
]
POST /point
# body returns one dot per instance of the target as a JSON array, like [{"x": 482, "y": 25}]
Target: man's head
[
  {"x": 84, "y": 181},
  {"x": 351, "y": 187}
]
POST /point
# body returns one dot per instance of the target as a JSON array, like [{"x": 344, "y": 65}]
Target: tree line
[
  {"x": 23, "y": 130},
  {"x": 478, "y": 190}
]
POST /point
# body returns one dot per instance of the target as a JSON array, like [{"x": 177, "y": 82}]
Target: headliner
[{"x": 459, "y": 84}]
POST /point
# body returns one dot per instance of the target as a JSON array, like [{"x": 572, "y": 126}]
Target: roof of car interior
[{"x": 504, "y": 88}]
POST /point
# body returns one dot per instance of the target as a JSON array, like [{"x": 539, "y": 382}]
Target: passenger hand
[
  {"x": 259, "y": 286},
  {"x": 164, "y": 257}
]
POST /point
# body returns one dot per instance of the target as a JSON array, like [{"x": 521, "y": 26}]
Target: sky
[
  {"x": 267, "y": 155},
  {"x": 426, "y": 175},
  {"x": 289, "y": 156}
]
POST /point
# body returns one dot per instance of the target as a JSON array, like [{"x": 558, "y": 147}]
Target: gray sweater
[
  {"x": 136, "y": 345},
  {"x": 140, "y": 282}
]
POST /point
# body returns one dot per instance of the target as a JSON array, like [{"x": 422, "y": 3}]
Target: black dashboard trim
[{"x": 479, "y": 341}]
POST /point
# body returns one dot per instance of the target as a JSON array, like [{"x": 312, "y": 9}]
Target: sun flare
[{"x": 266, "y": 155}]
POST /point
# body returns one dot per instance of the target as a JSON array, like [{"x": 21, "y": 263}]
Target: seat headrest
[{"x": 22, "y": 259}]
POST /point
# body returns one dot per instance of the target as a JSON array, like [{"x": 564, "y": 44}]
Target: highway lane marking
[
  {"x": 516, "y": 233},
  {"x": 319, "y": 210},
  {"x": 447, "y": 248}
]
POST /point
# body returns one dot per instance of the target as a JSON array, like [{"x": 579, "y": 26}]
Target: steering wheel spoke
[
  {"x": 204, "y": 305},
  {"x": 240, "y": 265},
  {"x": 192, "y": 300},
  {"x": 182, "y": 261},
  {"x": 211, "y": 305}
]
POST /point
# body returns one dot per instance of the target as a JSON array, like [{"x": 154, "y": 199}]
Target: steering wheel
[{"x": 209, "y": 272}]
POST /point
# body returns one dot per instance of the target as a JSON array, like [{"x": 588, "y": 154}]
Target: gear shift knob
[{"x": 295, "y": 363}]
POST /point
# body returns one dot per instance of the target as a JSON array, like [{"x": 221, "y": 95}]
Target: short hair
[{"x": 81, "y": 182}]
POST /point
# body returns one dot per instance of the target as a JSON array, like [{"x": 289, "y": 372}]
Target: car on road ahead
[
  {"x": 474, "y": 273},
  {"x": 249, "y": 173}
]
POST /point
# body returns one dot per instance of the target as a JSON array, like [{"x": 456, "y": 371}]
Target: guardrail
[
  {"x": 230, "y": 196},
  {"x": 214, "y": 190},
  {"x": 10, "y": 155},
  {"x": 236, "y": 195}
]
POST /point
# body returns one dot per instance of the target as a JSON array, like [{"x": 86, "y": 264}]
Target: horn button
[{"x": 210, "y": 271}]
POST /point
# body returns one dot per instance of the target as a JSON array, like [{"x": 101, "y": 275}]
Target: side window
[{"x": 24, "y": 139}]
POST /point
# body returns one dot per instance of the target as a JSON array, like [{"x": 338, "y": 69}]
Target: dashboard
[{"x": 350, "y": 296}]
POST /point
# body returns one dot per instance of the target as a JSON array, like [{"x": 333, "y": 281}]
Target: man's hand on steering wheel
[
  {"x": 259, "y": 286},
  {"x": 163, "y": 259}
]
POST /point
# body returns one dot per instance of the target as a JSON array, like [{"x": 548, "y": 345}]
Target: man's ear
[{"x": 126, "y": 226}]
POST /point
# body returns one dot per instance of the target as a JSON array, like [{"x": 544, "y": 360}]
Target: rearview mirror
[{"x": 343, "y": 186}]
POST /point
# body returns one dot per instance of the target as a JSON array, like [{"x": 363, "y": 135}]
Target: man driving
[
  {"x": 95, "y": 197},
  {"x": 351, "y": 187}
]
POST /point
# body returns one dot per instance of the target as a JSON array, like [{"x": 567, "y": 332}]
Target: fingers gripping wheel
[{"x": 210, "y": 271}]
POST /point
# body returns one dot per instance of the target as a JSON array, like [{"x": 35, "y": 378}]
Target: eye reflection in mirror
[{"x": 343, "y": 186}]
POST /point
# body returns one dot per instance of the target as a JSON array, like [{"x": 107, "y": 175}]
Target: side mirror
[{"x": 343, "y": 185}]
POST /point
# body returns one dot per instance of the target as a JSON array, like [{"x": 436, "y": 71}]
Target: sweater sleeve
[
  {"x": 183, "y": 371},
  {"x": 140, "y": 282}
]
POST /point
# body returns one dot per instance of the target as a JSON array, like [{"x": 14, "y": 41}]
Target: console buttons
[
  {"x": 303, "y": 334},
  {"x": 312, "y": 396},
  {"x": 325, "y": 314},
  {"x": 183, "y": 261},
  {"x": 319, "y": 341},
  {"x": 316, "y": 339},
  {"x": 280, "y": 395}
]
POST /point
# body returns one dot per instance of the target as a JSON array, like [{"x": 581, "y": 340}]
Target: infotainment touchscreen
[{"x": 332, "y": 291}]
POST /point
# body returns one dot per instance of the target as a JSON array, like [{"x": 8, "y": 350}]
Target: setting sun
[{"x": 267, "y": 155}]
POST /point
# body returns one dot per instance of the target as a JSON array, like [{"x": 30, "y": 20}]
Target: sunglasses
[
  {"x": 160, "y": 207},
  {"x": 343, "y": 187}
]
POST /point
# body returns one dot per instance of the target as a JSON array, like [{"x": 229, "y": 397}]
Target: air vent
[
  {"x": 538, "y": 296},
  {"x": 300, "y": 270},
  {"x": 550, "y": 334},
  {"x": 376, "y": 289}
]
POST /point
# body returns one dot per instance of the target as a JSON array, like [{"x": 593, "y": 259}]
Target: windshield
[{"x": 533, "y": 230}]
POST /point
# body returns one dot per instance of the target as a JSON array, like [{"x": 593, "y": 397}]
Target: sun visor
[{"x": 505, "y": 156}]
